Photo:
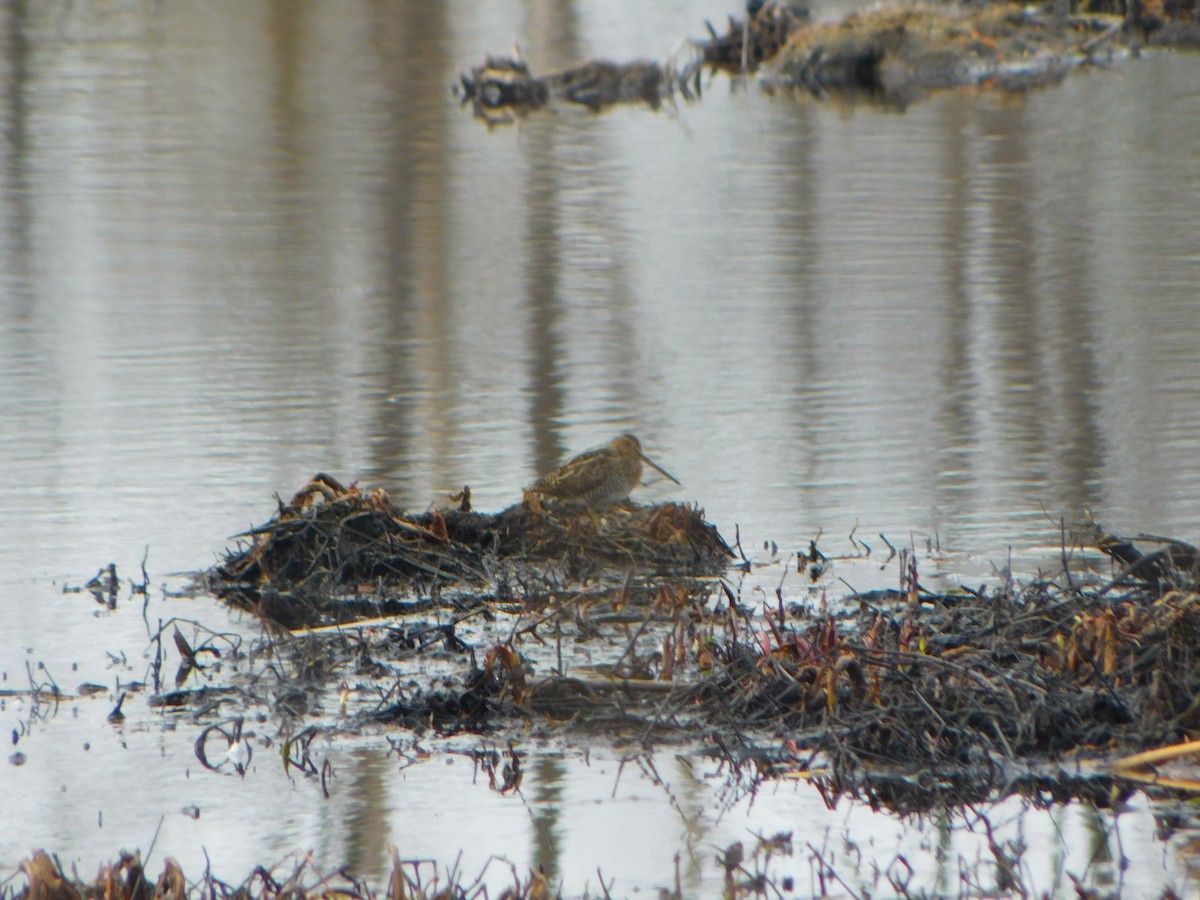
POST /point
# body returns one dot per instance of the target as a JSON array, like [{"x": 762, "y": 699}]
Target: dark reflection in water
[
  {"x": 413, "y": 239},
  {"x": 366, "y": 820},
  {"x": 798, "y": 180},
  {"x": 261, "y": 266},
  {"x": 15, "y": 251},
  {"x": 956, "y": 413},
  {"x": 1008, "y": 272},
  {"x": 546, "y": 808},
  {"x": 542, "y": 273},
  {"x": 241, "y": 243}
]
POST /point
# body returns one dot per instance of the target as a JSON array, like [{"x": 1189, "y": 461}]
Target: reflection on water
[
  {"x": 227, "y": 269},
  {"x": 580, "y": 817},
  {"x": 244, "y": 242}
]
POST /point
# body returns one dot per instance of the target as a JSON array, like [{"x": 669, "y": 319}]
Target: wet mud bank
[{"x": 892, "y": 54}]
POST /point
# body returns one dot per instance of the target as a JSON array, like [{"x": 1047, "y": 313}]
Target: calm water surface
[{"x": 241, "y": 243}]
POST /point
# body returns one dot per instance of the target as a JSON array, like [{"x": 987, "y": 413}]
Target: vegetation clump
[
  {"x": 339, "y": 553},
  {"x": 891, "y": 54},
  {"x": 973, "y": 680}
]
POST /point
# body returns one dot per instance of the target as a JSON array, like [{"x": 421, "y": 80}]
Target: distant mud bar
[{"x": 891, "y": 54}]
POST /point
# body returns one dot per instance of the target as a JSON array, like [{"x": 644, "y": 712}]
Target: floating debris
[
  {"x": 749, "y": 42},
  {"x": 503, "y": 88},
  {"x": 896, "y": 54},
  {"x": 127, "y": 879},
  {"x": 891, "y": 54},
  {"x": 338, "y": 553},
  {"x": 971, "y": 680}
]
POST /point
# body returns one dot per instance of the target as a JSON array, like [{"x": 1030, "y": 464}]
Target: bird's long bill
[{"x": 657, "y": 468}]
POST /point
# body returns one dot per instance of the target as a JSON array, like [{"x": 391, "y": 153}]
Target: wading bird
[{"x": 599, "y": 477}]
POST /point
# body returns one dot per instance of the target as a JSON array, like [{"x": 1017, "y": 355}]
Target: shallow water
[{"x": 241, "y": 244}]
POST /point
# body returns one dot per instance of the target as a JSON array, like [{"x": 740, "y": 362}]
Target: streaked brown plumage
[{"x": 599, "y": 477}]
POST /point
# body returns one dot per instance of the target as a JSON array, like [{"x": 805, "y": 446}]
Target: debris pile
[
  {"x": 337, "y": 553},
  {"x": 615, "y": 621},
  {"x": 898, "y": 53},
  {"x": 503, "y": 87},
  {"x": 127, "y": 879},
  {"x": 971, "y": 679},
  {"x": 891, "y": 54},
  {"x": 967, "y": 684},
  {"x": 748, "y": 43}
]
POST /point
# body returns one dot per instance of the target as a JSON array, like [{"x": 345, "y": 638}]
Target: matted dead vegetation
[
  {"x": 780, "y": 864},
  {"x": 891, "y": 53},
  {"x": 634, "y": 627},
  {"x": 973, "y": 679},
  {"x": 582, "y": 623},
  {"x": 128, "y": 879},
  {"x": 335, "y": 553},
  {"x": 896, "y": 54}
]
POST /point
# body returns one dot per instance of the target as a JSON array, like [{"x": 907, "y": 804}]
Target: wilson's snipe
[{"x": 599, "y": 477}]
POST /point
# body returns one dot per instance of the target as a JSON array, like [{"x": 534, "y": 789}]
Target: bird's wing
[{"x": 578, "y": 475}]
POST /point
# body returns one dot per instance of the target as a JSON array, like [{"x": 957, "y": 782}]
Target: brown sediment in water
[{"x": 891, "y": 54}]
